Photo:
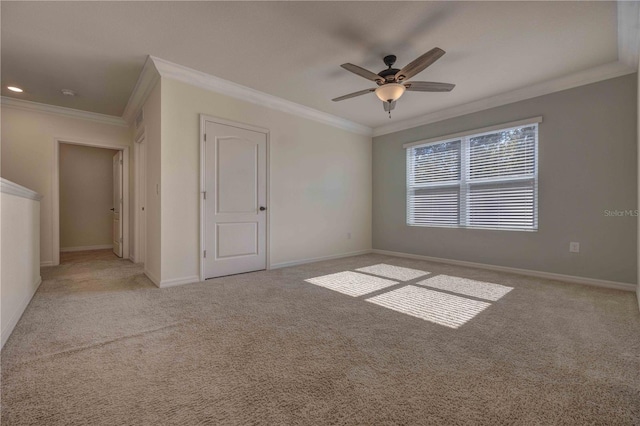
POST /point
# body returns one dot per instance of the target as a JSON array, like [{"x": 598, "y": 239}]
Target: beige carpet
[{"x": 100, "y": 345}]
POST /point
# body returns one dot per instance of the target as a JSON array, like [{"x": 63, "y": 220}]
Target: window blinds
[
  {"x": 486, "y": 180},
  {"x": 434, "y": 173}
]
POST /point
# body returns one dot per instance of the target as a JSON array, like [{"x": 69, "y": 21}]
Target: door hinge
[
  {"x": 205, "y": 137},
  {"x": 120, "y": 161},
  {"x": 120, "y": 239},
  {"x": 205, "y": 253},
  {"x": 204, "y": 194}
]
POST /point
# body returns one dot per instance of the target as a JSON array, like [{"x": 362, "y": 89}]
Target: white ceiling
[{"x": 293, "y": 49}]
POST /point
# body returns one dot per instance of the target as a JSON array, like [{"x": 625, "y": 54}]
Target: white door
[
  {"x": 235, "y": 171},
  {"x": 117, "y": 204},
  {"x": 142, "y": 202}
]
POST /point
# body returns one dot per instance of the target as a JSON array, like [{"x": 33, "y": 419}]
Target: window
[{"x": 485, "y": 179}]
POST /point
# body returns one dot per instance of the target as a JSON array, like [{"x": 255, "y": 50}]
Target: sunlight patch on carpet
[
  {"x": 479, "y": 289},
  {"x": 351, "y": 283},
  {"x": 393, "y": 272},
  {"x": 440, "y": 308}
]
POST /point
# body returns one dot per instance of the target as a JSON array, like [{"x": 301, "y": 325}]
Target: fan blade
[
  {"x": 428, "y": 86},
  {"x": 353, "y": 95},
  {"x": 388, "y": 107},
  {"x": 362, "y": 72},
  {"x": 419, "y": 64}
]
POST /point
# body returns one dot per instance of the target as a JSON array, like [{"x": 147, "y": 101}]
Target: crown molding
[
  {"x": 215, "y": 84},
  {"x": 58, "y": 110},
  {"x": 592, "y": 75},
  {"x": 146, "y": 81},
  {"x": 629, "y": 33}
]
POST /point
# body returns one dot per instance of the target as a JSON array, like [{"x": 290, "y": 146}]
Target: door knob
[
  {"x": 113, "y": 209},
  {"x": 262, "y": 208}
]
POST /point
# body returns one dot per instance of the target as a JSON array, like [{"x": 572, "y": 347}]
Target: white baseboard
[
  {"x": 172, "y": 282},
  {"x": 8, "y": 328},
  {"x": 528, "y": 272},
  {"x": 317, "y": 259},
  {"x": 86, "y": 248},
  {"x": 179, "y": 281},
  {"x": 46, "y": 263},
  {"x": 153, "y": 279}
]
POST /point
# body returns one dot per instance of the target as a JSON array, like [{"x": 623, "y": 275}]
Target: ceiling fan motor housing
[{"x": 389, "y": 73}]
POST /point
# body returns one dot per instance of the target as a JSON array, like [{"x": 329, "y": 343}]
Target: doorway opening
[{"x": 90, "y": 199}]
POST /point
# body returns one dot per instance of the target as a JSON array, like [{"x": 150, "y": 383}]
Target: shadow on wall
[{"x": 441, "y": 299}]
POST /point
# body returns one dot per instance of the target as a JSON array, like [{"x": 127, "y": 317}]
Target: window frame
[{"x": 464, "y": 182}]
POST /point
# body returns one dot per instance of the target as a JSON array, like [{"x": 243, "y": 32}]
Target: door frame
[
  {"x": 139, "y": 202},
  {"x": 55, "y": 243},
  {"x": 203, "y": 122}
]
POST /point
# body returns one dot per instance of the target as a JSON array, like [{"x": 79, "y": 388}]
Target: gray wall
[{"x": 587, "y": 164}]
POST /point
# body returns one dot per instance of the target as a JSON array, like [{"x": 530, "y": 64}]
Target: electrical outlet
[{"x": 574, "y": 247}]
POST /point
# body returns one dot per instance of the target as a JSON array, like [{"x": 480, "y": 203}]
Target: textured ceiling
[{"x": 293, "y": 49}]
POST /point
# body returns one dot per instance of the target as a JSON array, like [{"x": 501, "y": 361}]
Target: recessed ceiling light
[
  {"x": 68, "y": 92},
  {"x": 15, "y": 89}
]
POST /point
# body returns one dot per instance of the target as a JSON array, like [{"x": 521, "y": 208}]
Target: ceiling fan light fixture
[
  {"x": 392, "y": 83},
  {"x": 390, "y": 92}
]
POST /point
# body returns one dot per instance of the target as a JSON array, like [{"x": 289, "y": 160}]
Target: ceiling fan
[{"x": 392, "y": 82}]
